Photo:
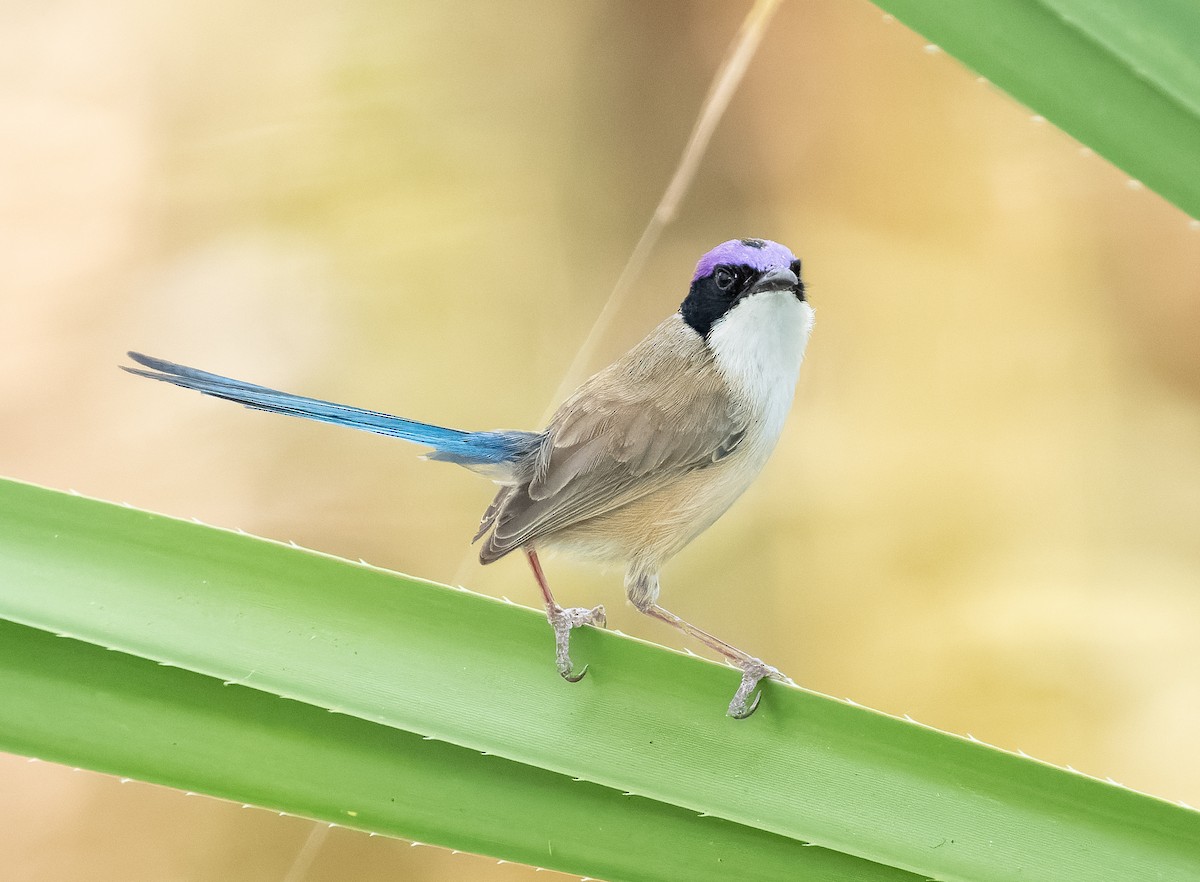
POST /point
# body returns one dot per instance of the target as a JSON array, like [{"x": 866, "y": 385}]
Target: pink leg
[
  {"x": 642, "y": 587},
  {"x": 753, "y": 669},
  {"x": 563, "y": 620}
]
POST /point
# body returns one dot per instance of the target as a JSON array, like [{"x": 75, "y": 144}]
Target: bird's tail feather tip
[
  {"x": 148, "y": 360},
  {"x": 490, "y": 453},
  {"x": 157, "y": 368}
]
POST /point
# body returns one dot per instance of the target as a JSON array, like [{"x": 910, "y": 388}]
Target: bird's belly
[{"x": 654, "y": 528}]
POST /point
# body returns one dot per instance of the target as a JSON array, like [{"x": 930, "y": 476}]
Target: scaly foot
[
  {"x": 753, "y": 670},
  {"x": 563, "y": 620}
]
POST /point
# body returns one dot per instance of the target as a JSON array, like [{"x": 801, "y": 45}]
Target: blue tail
[{"x": 471, "y": 449}]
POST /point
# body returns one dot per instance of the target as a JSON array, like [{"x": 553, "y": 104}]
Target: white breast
[{"x": 758, "y": 347}]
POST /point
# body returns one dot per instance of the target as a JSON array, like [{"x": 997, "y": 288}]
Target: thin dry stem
[
  {"x": 725, "y": 83},
  {"x": 720, "y": 93}
]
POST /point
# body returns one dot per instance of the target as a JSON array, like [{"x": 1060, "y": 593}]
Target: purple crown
[{"x": 759, "y": 254}]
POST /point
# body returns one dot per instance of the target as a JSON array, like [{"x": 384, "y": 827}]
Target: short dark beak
[{"x": 781, "y": 279}]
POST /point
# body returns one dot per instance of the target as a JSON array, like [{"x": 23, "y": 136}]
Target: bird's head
[{"x": 738, "y": 273}]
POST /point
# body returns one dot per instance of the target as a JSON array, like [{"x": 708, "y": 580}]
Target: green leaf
[
  {"x": 477, "y": 674},
  {"x": 75, "y": 703},
  {"x": 1122, "y": 77}
]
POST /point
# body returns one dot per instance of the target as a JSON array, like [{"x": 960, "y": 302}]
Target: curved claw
[
  {"x": 740, "y": 713},
  {"x": 753, "y": 671},
  {"x": 563, "y": 620},
  {"x": 573, "y": 678}
]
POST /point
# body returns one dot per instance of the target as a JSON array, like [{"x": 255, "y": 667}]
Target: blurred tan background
[{"x": 985, "y": 511}]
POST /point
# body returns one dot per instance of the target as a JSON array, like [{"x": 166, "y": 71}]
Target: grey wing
[{"x": 614, "y": 442}]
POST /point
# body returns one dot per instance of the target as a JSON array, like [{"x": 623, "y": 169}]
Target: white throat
[{"x": 758, "y": 347}]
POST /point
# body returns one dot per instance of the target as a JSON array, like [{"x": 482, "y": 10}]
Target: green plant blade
[
  {"x": 79, "y": 704},
  {"x": 477, "y": 673},
  {"x": 1121, "y": 77}
]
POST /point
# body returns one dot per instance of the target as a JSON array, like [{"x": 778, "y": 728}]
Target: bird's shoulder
[
  {"x": 664, "y": 404},
  {"x": 659, "y": 412}
]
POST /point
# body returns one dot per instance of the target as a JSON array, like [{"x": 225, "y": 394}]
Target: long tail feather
[{"x": 452, "y": 445}]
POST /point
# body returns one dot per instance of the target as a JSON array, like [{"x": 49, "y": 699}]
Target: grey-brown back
[{"x": 658, "y": 413}]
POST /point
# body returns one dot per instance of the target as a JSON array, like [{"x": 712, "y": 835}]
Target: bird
[{"x": 646, "y": 454}]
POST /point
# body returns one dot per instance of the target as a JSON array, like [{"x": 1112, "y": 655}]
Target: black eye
[{"x": 724, "y": 278}]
